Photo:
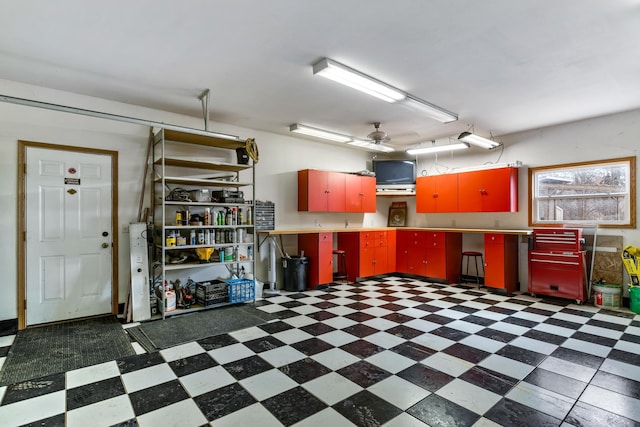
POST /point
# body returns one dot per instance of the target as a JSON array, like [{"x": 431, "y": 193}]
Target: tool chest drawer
[
  {"x": 561, "y": 274},
  {"x": 558, "y": 239}
]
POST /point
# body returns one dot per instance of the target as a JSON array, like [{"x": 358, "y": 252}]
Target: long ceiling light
[
  {"x": 480, "y": 141},
  {"x": 371, "y": 146},
  {"x": 319, "y": 133},
  {"x": 438, "y": 148},
  {"x": 433, "y": 111},
  {"x": 347, "y": 76},
  {"x": 340, "y": 73}
]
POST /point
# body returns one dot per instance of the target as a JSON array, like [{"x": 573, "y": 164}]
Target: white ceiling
[{"x": 501, "y": 65}]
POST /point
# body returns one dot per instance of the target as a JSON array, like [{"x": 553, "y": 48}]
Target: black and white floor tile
[{"x": 384, "y": 352}]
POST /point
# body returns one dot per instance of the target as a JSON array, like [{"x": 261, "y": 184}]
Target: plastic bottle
[
  {"x": 207, "y": 216},
  {"x": 171, "y": 239},
  {"x": 236, "y": 253},
  {"x": 192, "y": 237},
  {"x": 250, "y": 253},
  {"x": 207, "y": 237},
  {"x": 240, "y": 219},
  {"x": 229, "y": 219},
  {"x": 249, "y": 217},
  {"x": 201, "y": 237}
]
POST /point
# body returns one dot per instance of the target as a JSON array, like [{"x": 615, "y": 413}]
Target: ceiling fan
[{"x": 378, "y": 136}]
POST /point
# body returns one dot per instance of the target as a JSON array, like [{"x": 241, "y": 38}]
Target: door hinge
[
  {"x": 24, "y": 236},
  {"x": 25, "y": 304}
]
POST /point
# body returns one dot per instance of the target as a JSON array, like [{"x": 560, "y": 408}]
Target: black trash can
[{"x": 295, "y": 273}]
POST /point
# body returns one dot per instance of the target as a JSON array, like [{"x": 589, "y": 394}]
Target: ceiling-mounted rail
[
  {"x": 204, "y": 100},
  {"x": 109, "y": 116}
]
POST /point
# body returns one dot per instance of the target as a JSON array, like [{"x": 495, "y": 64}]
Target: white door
[{"x": 68, "y": 235}]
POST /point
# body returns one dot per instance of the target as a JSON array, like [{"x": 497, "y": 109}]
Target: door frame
[{"x": 22, "y": 265}]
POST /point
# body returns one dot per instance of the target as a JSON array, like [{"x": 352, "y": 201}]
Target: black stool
[
  {"x": 341, "y": 263},
  {"x": 466, "y": 277}
]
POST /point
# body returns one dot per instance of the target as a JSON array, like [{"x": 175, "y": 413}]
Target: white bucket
[{"x": 607, "y": 296}]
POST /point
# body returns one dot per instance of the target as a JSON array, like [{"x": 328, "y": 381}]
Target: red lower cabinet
[
  {"x": 501, "y": 261},
  {"x": 368, "y": 253},
  {"x": 427, "y": 253},
  {"x": 319, "y": 248}
]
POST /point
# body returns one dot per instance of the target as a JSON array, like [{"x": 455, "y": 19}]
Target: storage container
[
  {"x": 634, "y": 298},
  {"x": 607, "y": 296},
  {"x": 241, "y": 290},
  {"x": 211, "y": 292},
  {"x": 169, "y": 301}
]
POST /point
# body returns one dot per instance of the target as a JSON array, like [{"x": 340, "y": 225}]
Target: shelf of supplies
[
  {"x": 189, "y": 265},
  {"x": 210, "y": 227},
  {"x": 197, "y": 164},
  {"x": 201, "y": 182},
  {"x": 215, "y": 245},
  {"x": 206, "y": 204},
  {"x": 206, "y": 140}
]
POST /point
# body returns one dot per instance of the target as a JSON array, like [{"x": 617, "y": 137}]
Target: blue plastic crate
[{"x": 241, "y": 290}]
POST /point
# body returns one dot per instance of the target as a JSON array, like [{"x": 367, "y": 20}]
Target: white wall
[
  {"x": 280, "y": 159},
  {"x": 276, "y": 172}
]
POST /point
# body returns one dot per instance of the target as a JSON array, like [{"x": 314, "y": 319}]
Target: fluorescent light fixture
[
  {"x": 355, "y": 79},
  {"x": 371, "y": 146},
  {"x": 340, "y": 73},
  {"x": 319, "y": 133},
  {"x": 438, "y": 148},
  {"x": 478, "y": 140},
  {"x": 433, "y": 111}
]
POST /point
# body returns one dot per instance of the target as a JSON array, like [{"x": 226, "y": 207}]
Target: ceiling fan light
[
  {"x": 319, "y": 133},
  {"x": 433, "y": 111},
  {"x": 438, "y": 148},
  {"x": 340, "y": 73},
  {"x": 478, "y": 140}
]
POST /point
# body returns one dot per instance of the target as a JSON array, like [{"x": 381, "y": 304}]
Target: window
[{"x": 601, "y": 192}]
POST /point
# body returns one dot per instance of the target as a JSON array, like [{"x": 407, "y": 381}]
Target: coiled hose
[{"x": 252, "y": 149}]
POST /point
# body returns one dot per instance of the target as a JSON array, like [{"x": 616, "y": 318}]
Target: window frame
[{"x": 533, "y": 222}]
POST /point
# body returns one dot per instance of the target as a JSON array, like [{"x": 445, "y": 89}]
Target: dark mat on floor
[
  {"x": 45, "y": 350},
  {"x": 160, "y": 334}
]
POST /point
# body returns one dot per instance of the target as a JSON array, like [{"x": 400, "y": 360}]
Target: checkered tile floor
[{"x": 384, "y": 352}]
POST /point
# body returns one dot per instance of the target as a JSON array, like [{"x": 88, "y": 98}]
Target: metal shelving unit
[{"x": 189, "y": 162}]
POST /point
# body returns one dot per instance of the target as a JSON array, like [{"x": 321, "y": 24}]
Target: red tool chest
[{"x": 557, "y": 264}]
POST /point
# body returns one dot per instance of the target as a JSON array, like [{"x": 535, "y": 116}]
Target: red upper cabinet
[
  {"x": 321, "y": 191},
  {"x": 360, "y": 193},
  {"x": 324, "y": 191},
  {"x": 491, "y": 190},
  {"x": 437, "y": 193}
]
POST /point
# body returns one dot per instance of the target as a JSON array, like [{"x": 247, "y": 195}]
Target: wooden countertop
[{"x": 356, "y": 229}]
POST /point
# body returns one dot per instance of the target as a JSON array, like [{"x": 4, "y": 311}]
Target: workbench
[{"x": 424, "y": 251}]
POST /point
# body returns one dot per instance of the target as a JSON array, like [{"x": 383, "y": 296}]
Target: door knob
[{"x": 105, "y": 245}]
